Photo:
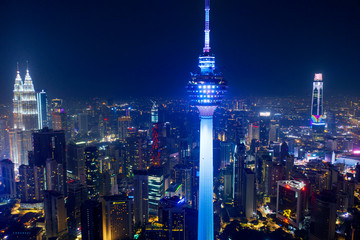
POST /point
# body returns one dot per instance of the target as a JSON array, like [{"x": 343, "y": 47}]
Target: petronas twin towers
[
  {"x": 25, "y": 118},
  {"x": 24, "y": 102}
]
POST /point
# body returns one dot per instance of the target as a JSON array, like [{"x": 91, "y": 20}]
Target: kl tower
[{"x": 206, "y": 90}]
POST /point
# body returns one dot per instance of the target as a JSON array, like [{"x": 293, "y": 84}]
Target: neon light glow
[
  {"x": 287, "y": 213},
  {"x": 316, "y": 118}
]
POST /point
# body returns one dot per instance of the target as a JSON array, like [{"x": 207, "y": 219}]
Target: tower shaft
[{"x": 206, "y": 208}]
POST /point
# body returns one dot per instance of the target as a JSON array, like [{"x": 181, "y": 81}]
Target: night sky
[{"x": 148, "y": 48}]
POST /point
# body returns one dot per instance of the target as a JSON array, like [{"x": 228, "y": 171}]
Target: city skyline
[
  {"x": 263, "y": 55},
  {"x": 109, "y": 147}
]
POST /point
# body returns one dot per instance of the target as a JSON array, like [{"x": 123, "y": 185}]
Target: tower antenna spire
[
  {"x": 207, "y": 27},
  {"x": 27, "y": 65},
  {"x": 17, "y": 67}
]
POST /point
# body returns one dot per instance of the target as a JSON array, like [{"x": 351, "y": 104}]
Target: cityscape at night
[{"x": 117, "y": 122}]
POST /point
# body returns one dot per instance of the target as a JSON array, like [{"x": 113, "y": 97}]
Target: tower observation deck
[{"x": 206, "y": 90}]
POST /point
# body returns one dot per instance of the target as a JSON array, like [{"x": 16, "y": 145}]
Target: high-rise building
[
  {"x": 156, "y": 188},
  {"x": 249, "y": 193},
  {"x": 274, "y": 131},
  {"x": 155, "y": 135},
  {"x": 276, "y": 173},
  {"x": 136, "y": 152},
  {"x": 83, "y": 123},
  {"x": 238, "y": 175},
  {"x": 123, "y": 126},
  {"x": 206, "y": 90},
  {"x": 183, "y": 174},
  {"x": 117, "y": 217},
  {"x": 55, "y": 215},
  {"x": 31, "y": 183},
  {"x": 54, "y": 176},
  {"x": 4, "y": 139},
  {"x": 49, "y": 143},
  {"x": 77, "y": 195},
  {"x": 317, "y": 108},
  {"x": 291, "y": 200},
  {"x": 49, "y": 152},
  {"x": 42, "y": 108},
  {"x": 58, "y": 119},
  {"x": 323, "y": 216},
  {"x": 92, "y": 170},
  {"x": 171, "y": 216},
  {"x": 253, "y": 132},
  {"x": 7, "y": 179},
  {"x": 76, "y": 162},
  {"x": 141, "y": 197},
  {"x": 264, "y": 126},
  {"x": 91, "y": 220}
]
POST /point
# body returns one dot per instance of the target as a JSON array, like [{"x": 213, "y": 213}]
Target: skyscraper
[
  {"x": 25, "y": 116},
  {"x": 183, "y": 175},
  {"x": 249, "y": 193},
  {"x": 264, "y": 133},
  {"x": 155, "y": 134},
  {"x": 291, "y": 199},
  {"x": 77, "y": 195},
  {"x": 117, "y": 217},
  {"x": 42, "y": 108},
  {"x": 317, "y": 110},
  {"x": 92, "y": 170},
  {"x": 55, "y": 214},
  {"x": 49, "y": 144},
  {"x": 76, "y": 161},
  {"x": 156, "y": 188},
  {"x": 83, "y": 123},
  {"x": 31, "y": 183},
  {"x": 29, "y": 106},
  {"x": 91, "y": 220},
  {"x": 323, "y": 216},
  {"x": 206, "y": 90},
  {"x": 49, "y": 152},
  {"x": 141, "y": 197},
  {"x": 4, "y": 139},
  {"x": 17, "y": 101},
  {"x": 7, "y": 179}
]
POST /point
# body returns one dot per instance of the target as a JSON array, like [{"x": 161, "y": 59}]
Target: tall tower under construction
[{"x": 206, "y": 90}]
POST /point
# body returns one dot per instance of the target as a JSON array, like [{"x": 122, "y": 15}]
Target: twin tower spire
[{"x": 24, "y": 102}]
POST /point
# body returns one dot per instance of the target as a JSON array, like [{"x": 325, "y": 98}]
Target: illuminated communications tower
[
  {"x": 155, "y": 135},
  {"x": 206, "y": 90},
  {"x": 317, "y": 110}
]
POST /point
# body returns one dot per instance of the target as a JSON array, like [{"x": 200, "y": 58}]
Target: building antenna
[{"x": 207, "y": 27}]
